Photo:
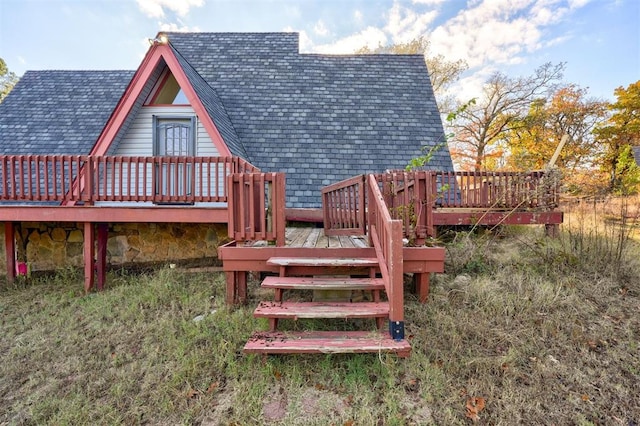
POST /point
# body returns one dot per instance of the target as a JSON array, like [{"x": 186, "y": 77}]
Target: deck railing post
[{"x": 279, "y": 208}]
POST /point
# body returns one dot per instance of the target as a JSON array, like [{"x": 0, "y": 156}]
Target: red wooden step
[
  {"x": 323, "y": 283},
  {"x": 325, "y": 342},
  {"x": 295, "y": 310},
  {"x": 324, "y": 261}
]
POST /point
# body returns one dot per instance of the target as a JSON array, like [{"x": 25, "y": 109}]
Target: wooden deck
[
  {"x": 239, "y": 258},
  {"x": 310, "y": 237}
]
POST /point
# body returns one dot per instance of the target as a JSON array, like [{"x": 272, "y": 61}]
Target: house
[
  {"x": 186, "y": 158},
  {"x": 252, "y": 96}
]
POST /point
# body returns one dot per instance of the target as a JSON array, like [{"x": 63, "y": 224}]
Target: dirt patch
[
  {"x": 275, "y": 404},
  {"x": 317, "y": 401},
  {"x": 224, "y": 407}
]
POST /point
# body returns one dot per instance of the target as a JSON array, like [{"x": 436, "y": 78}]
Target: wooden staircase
[{"x": 333, "y": 275}]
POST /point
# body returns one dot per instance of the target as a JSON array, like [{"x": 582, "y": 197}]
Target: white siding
[
  {"x": 138, "y": 141},
  {"x": 139, "y": 138}
]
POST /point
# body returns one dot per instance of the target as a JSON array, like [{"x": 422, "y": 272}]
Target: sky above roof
[{"x": 598, "y": 39}]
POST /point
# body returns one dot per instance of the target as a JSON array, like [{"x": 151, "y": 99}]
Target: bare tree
[{"x": 480, "y": 128}]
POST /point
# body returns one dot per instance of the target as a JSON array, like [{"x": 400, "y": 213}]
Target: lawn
[{"x": 521, "y": 329}]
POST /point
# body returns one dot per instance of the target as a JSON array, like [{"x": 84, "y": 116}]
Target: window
[{"x": 174, "y": 136}]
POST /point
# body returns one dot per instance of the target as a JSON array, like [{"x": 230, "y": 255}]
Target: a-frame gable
[{"x": 157, "y": 53}]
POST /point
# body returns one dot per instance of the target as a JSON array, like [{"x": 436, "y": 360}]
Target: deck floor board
[{"x": 311, "y": 237}]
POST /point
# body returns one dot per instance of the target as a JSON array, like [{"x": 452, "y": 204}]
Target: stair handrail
[{"x": 385, "y": 235}]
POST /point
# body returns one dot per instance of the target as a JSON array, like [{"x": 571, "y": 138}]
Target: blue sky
[{"x": 599, "y": 39}]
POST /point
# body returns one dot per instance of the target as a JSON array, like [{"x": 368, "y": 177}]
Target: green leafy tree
[
  {"x": 622, "y": 129},
  {"x": 8, "y": 79},
  {"x": 628, "y": 172},
  {"x": 533, "y": 139}
]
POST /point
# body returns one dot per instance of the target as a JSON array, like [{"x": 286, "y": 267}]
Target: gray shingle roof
[
  {"x": 319, "y": 118},
  {"x": 214, "y": 107},
  {"x": 59, "y": 112},
  {"x": 636, "y": 154}
]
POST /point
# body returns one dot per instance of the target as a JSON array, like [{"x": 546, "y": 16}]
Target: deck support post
[
  {"x": 101, "y": 263},
  {"x": 421, "y": 282},
  {"x": 230, "y": 293},
  {"x": 89, "y": 252},
  {"x": 552, "y": 230},
  {"x": 236, "y": 287},
  {"x": 10, "y": 250}
]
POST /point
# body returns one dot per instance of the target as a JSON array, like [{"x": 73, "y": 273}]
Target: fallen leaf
[
  {"x": 192, "y": 394},
  {"x": 474, "y": 406},
  {"x": 277, "y": 375},
  {"x": 349, "y": 423},
  {"x": 585, "y": 397},
  {"x": 320, "y": 386},
  {"x": 412, "y": 385},
  {"x": 212, "y": 387},
  {"x": 348, "y": 400}
]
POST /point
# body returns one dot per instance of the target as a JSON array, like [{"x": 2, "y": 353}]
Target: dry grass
[{"x": 545, "y": 331}]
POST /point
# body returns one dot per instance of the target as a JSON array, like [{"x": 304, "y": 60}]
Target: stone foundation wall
[{"x": 52, "y": 245}]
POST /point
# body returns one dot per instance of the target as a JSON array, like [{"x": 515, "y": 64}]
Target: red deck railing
[
  {"x": 406, "y": 196},
  {"x": 412, "y": 197},
  {"x": 256, "y": 207},
  {"x": 344, "y": 207},
  {"x": 497, "y": 190},
  {"x": 89, "y": 179}
]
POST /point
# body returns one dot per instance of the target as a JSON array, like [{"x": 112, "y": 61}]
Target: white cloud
[
  {"x": 176, "y": 27},
  {"x": 22, "y": 60},
  {"x": 306, "y": 44},
  {"x": 156, "y": 8},
  {"x": 576, "y": 4},
  {"x": 429, "y": 2},
  {"x": 370, "y": 37},
  {"x": 357, "y": 16},
  {"x": 320, "y": 28},
  {"x": 305, "y": 41},
  {"x": 497, "y": 31},
  {"x": 404, "y": 24}
]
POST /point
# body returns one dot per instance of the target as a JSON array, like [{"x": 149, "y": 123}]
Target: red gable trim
[{"x": 131, "y": 94}]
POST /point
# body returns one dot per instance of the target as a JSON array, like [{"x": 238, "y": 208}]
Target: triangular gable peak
[
  {"x": 159, "y": 55},
  {"x": 166, "y": 91}
]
